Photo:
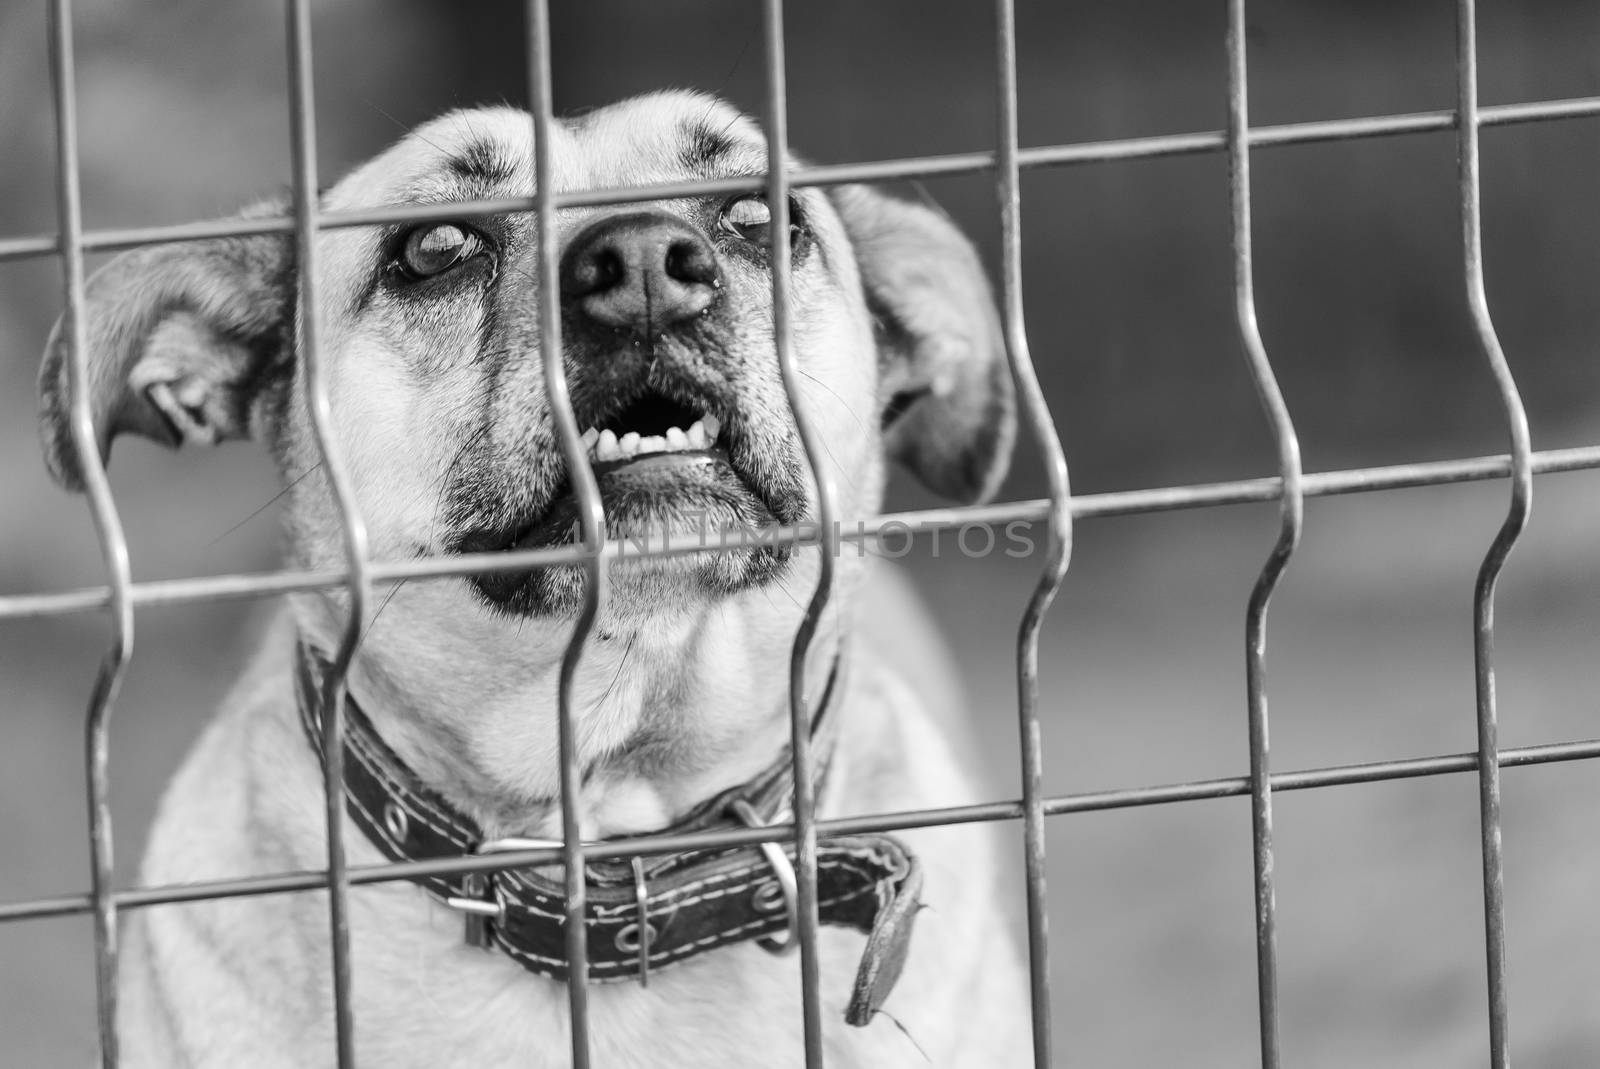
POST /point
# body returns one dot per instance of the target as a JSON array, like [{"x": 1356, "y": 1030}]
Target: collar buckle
[
  {"x": 644, "y": 932},
  {"x": 480, "y": 904},
  {"x": 783, "y": 871}
]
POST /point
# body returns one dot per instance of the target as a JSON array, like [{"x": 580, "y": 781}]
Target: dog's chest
[
  {"x": 423, "y": 998},
  {"x": 712, "y": 1012}
]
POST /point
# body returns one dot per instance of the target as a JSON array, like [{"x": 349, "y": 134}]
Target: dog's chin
[{"x": 650, "y": 502}]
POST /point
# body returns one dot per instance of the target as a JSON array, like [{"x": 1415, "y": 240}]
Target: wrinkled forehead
[{"x": 488, "y": 152}]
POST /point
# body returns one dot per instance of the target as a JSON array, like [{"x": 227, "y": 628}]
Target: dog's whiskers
[
  {"x": 907, "y": 1033},
  {"x": 842, "y": 470},
  {"x": 842, "y": 402},
  {"x": 627, "y": 651},
  {"x": 384, "y": 604},
  {"x": 441, "y": 484},
  {"x": 273, "y": 500},
  {"x": 767, "y": 592},
  {"x": 622, "y": 663},
  {"x": 412, "y": 131}
]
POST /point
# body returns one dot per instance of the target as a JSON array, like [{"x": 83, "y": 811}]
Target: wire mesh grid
[{"x": 120, "y": 596}]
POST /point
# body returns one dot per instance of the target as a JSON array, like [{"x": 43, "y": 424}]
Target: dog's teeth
[
  {"x": 607, "y": 445},
  {"x": 712, "y": 425}
]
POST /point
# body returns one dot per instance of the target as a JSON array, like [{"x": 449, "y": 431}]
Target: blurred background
[{"x": 183, "y": 110}]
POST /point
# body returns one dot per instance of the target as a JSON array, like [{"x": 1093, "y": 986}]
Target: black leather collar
[{"x": 647, "y": 913}]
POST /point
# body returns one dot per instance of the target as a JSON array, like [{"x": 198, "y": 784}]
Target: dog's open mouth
[
  {"x": 673, "y": 460},
  {"x": 653, "y": 426},
  {"x": 664, "y": 465}
]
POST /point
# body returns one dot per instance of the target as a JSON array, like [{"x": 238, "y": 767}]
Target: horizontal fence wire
[
  {"x": 875, "y": 531},
  {"x": 950, "y": 165},
  {"x": 1288, "y": 489},
  {"x": 651, "y": 845}
]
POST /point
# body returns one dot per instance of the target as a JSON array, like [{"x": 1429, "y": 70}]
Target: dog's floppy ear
[
  {"x": 182, "y": 340},
  {"x": 946, "y": 402}
]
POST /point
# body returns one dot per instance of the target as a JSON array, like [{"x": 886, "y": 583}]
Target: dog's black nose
[{"x": 641, "y": 270}]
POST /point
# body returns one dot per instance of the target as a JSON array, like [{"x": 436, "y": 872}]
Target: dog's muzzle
[{"x": 646, "y": 912}]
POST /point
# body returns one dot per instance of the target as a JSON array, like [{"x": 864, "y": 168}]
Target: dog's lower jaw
[{"x": 641, "y": 586}]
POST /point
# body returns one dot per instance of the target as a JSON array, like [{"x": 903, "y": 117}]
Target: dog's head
[
  {"x": 430, "y": 344},
  {"x": 430, "y": 335}
]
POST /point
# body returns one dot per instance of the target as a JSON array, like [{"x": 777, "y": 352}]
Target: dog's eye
[
  {"x": 750, "y": 218},
  {"x": 436, "y": 248},
  {"x": 747, "y": 217}
]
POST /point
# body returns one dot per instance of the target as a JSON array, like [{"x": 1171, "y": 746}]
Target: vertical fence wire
[
  {"x": 1291, "y": 519},
  {"x": 1008, "y": 188},
  {"x": 1516, "y": 520},
  {"x": 591, "y": 515},
  {"x": 303, "y": 140},
  {"x": 805, "y": 830},
  {"x": 108, "y": 530}
]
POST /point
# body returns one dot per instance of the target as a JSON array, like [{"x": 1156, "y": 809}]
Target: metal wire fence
[{"x": 121, "y": 596}]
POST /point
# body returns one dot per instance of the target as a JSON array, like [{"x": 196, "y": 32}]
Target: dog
[{"x": 429, "y": 342}]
